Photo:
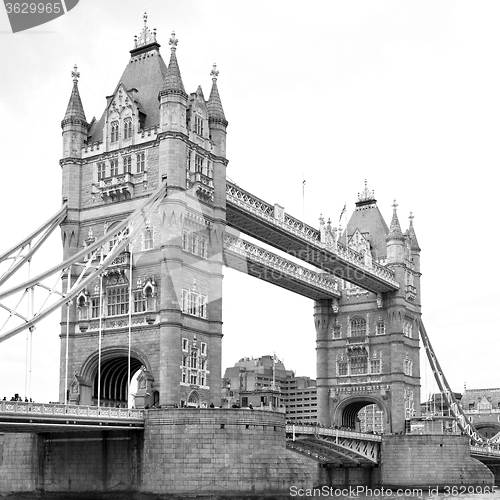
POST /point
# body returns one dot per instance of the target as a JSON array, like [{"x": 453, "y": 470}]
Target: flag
[{"x": 343, "y": 212}]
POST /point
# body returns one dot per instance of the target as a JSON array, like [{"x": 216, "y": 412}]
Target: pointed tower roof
[
  {"x": 395, "y": 228},
  {"x": 215, "y": 110},
  {"x": 369, "y": 221},
  {"x": 74, "y": 111},
  {"x": 173, "y": 80},
  {"x": 413, "y": 237},
  {"x": 145, "y": 72}
]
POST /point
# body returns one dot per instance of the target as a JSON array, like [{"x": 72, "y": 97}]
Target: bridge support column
[{"x": 323, "y": 322}]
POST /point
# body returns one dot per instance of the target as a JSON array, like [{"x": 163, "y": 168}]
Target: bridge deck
[
  {"x": 268, "y": 266},
  {"x": 267, "y": 223},
  {"x": 17, "y": 416}
]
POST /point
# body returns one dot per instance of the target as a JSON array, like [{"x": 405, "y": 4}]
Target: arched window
[{"x": 358, "y": 327}]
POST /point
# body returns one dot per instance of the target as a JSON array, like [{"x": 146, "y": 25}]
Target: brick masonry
[{"x": 429, "y": 461}]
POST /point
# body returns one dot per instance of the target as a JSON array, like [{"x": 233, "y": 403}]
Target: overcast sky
[{"x": 404, "y": 94}]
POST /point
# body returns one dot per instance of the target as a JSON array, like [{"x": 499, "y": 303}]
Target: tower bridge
[{"x": 148, "y": 222}]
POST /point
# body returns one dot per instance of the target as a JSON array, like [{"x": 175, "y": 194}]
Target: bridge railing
[
  {"x": 328, "y": 431},
  {"x": 61, "y": 410},
  {"x": 485, "y": 450}
]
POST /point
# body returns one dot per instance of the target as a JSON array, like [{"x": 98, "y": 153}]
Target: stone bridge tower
[
  {"x": 368, "y": 344},
  {"x": 150, "y": 130}
]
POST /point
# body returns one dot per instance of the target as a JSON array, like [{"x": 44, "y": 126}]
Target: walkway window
[
  {"x": 358, "y": 327},
  {"x": 117, "y": 301}
]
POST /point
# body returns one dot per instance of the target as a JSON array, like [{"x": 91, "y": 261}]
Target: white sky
[{"x": 402, "y": 93}]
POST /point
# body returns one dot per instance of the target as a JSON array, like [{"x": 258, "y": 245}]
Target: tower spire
[
  {"x": 395, "y": 228},
  {"x": 74, "y": 112},
  {"x": 413, "y": 237},
  {"x": 215, "y": 110},
  {"x": 173, "y": 80}
]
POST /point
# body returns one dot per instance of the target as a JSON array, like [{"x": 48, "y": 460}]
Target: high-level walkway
[{"x": 270, "y": 224}]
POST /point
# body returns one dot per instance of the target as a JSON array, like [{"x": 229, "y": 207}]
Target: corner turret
[
  {"x": 216, "y": 118},
  {"x": 74, "y": 123},
  {"x": 173, "y": 97},
  {"x": 395, "y": 240}
]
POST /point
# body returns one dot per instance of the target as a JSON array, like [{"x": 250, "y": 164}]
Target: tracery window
[
  {"x": 359, "y": 365},
  {"x": 198, "y": 164},
  {"x": 375, "y": 366},
  {"x": 194, "y": 303},
  {"x": 148, "y": 238},
  {"x": 408, "y": 329},
  {"x": 198, "y": 124},
  {"x": 342, "y": 368}
]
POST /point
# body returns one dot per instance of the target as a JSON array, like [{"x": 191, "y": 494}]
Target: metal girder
[
  {"x": 87, "y": 261},
  {"x": 21, "y": 253},
  {"x": 256, "y": 261},
  {"x": 349, "y": 447},
  {"x": 272, "y": 225},
  {"x": 456, "y": 410}
]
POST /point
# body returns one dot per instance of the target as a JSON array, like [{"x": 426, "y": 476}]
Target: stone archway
[
  {"x": 114, "y": 380},
  {"x": 347, "y": 413},
  {"x": 193, "y": 400}
]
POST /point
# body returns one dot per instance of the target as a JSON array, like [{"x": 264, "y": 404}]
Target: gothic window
[
  {"x": 148, "y": 239},
  {"x": 115, "y": 131},
  {"x": 359, "y": 365},
  {"x": 185, "y": 239},
  {"x": 202, "y": 247},
  {"x": 184, "y": 344},
  {"x": 198, "y": 164},
  {"x": 193, "y": 378},
  {"x": 337, "y": 332},
  {"x": 375, "y": 366},
  {"x": 141, "y": 163},
  {"x": 358, "y": 327},
  {"x": 203, "y": 349},
  {"x": 193, "y": 243},
  {"x": 380, "y": 328},
  {"x": 193, "y": 359},
  {"x": 117, "y": 300},
  {"x": 114, "y": 167},
  {"x": 101, "y": 171},
  {"x": 342, "y": 368},
  {"x": 407, "y": 329},
  {"x": 95, "y": 310},
  {"x": 198, "y": 124},
  {"x": 139, "y": 302},
  {"x": 127, "y": 128},
  {"x": 127, "y": 164},
  {"x": 194, "y": 303}
]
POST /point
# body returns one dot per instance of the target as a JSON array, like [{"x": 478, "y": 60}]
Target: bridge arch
[
  {"x": 487, "y": 429},
  {"x": 114, "y": 374},
  {"x": 345, "y": 414}
]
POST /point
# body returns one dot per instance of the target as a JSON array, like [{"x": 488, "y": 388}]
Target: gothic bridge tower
[
  {"x": 367, "y": 343},
  {"x": 164, "y": 293}
]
